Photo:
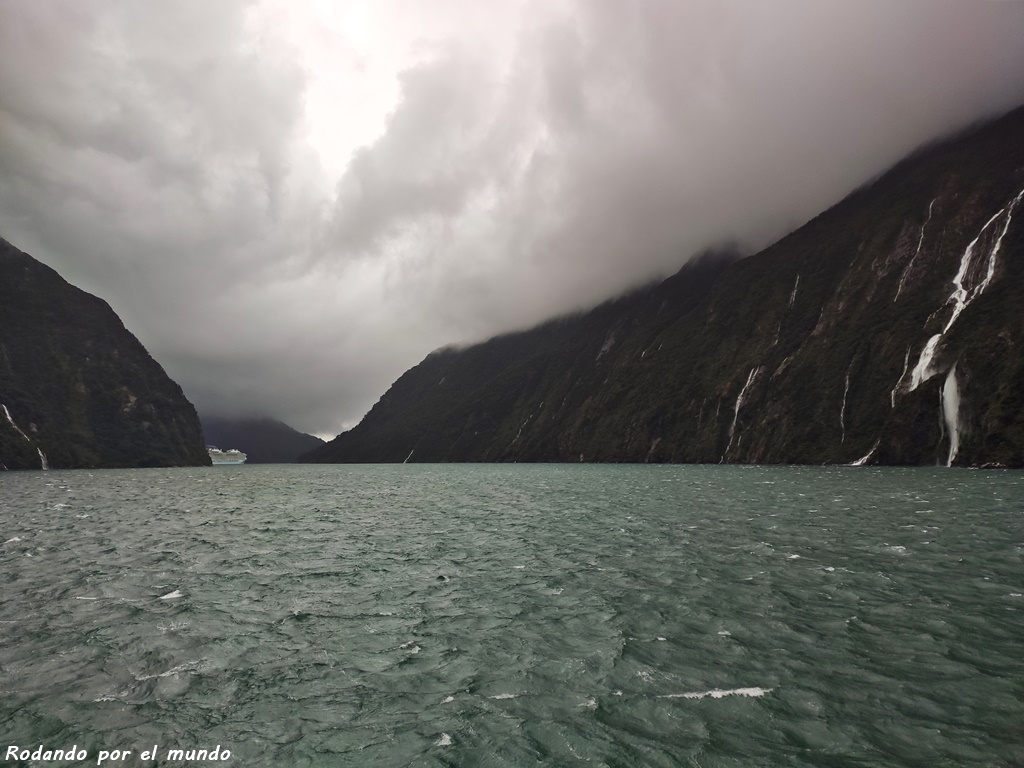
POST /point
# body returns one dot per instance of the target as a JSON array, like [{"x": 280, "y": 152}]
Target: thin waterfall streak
[
  {"x": 920, "y": 242},
  {"x": 736, "y": 409},
  {"x": 842, "y": 410},
  {"x": 11, "y": 420}
]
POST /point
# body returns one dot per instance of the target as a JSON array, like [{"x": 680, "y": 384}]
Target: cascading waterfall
[
  {"x": 736, "y": 410},
  {"x": 951, "y": 413},
  {"x": 43, "y": 463},
  {"x": 923, "y": 370},
  {"x": 792, "y": 296},
  {"x": 963, "y": 295},
  {"x": 11, "y": 420}
]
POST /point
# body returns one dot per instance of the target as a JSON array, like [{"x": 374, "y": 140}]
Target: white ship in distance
[{"x": 231, "y": 456}]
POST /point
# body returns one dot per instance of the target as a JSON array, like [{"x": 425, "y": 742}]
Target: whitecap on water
[
  {"x": 504, "y": 696},
  {"x": 718, "y": 693},
  {"x": 444, "y": 741},
  {"x": 108, "y": 697},
  {"x": 448, "y": 700},
  {"x": 175, "y": 595},
  {"x": 172, "y": 627},
  {"x": 188, "y": 666},
  {"x": 13, "y": 539},
  {"x": 588, "y": 704}
]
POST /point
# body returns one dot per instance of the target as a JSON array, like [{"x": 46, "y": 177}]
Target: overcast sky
[{"x": 291, "y": 203}]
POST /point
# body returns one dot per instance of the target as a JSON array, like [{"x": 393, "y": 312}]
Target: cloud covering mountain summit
[{"x": 261, "y": 189}]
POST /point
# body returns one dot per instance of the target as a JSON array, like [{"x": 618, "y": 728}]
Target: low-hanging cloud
[{"x": 531, "y": 159}]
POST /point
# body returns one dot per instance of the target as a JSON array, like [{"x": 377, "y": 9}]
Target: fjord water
[{"x": 517, "y": 615}]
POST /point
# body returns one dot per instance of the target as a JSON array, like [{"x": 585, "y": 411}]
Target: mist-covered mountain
[
  {"x": 889, "y": 330},
  {"x": 263, "y": 441},
  {"x": 77, "y": 389}
]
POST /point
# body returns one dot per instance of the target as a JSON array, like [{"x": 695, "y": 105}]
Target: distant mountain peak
[{"x": 264, "y": 440}]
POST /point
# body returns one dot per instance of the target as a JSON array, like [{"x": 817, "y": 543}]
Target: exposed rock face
[
  {"x": 887, "y": 330},
  {"x": 263, "y": 441},
  {"x": 76, "y": 388}
]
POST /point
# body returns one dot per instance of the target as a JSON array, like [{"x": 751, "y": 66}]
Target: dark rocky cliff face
[
  {"x": 889, "y": 329},
  {"x": 77, "y": 389}
]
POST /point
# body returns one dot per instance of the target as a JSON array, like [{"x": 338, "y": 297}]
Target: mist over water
[{"x": 517, "y": 615}]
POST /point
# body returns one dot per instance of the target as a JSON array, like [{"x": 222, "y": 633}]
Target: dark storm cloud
[{"x": 156, "y": 155}]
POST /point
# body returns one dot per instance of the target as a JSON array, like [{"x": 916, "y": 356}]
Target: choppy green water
[{"x": 516, "y": 615}]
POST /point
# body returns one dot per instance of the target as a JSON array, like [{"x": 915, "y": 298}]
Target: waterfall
[
  {"x": 964, "y": 294},
  {"x": 842, "y": 409},
  {"x": 42, "y": 456},
  {"x": 8, "y": 414},
  {"x": 951, "y": 413},
  {"x": 867, "y": 456},
  {"x": 736, "y": 409},
  {"x": 923, "y": 370},
  {"x": 920, "y": 242}
]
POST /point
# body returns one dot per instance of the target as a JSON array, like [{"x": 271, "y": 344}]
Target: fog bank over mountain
[{"x": 290, "y": 206}]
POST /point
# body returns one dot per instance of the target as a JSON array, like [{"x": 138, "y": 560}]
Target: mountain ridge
[
  {"x": 814, "y": 350},
  {"x": 77, "y": 388},
  {"x": 263, "y": 440}
]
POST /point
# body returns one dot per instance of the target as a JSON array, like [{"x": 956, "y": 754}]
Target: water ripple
[{"x": 517, "y": 615}]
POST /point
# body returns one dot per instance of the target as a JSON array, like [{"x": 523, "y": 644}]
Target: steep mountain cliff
[
  {"x": 263, "y": 441},
  {"x": 76, "y": 388},
  {"x": 889, "y": 329}
]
